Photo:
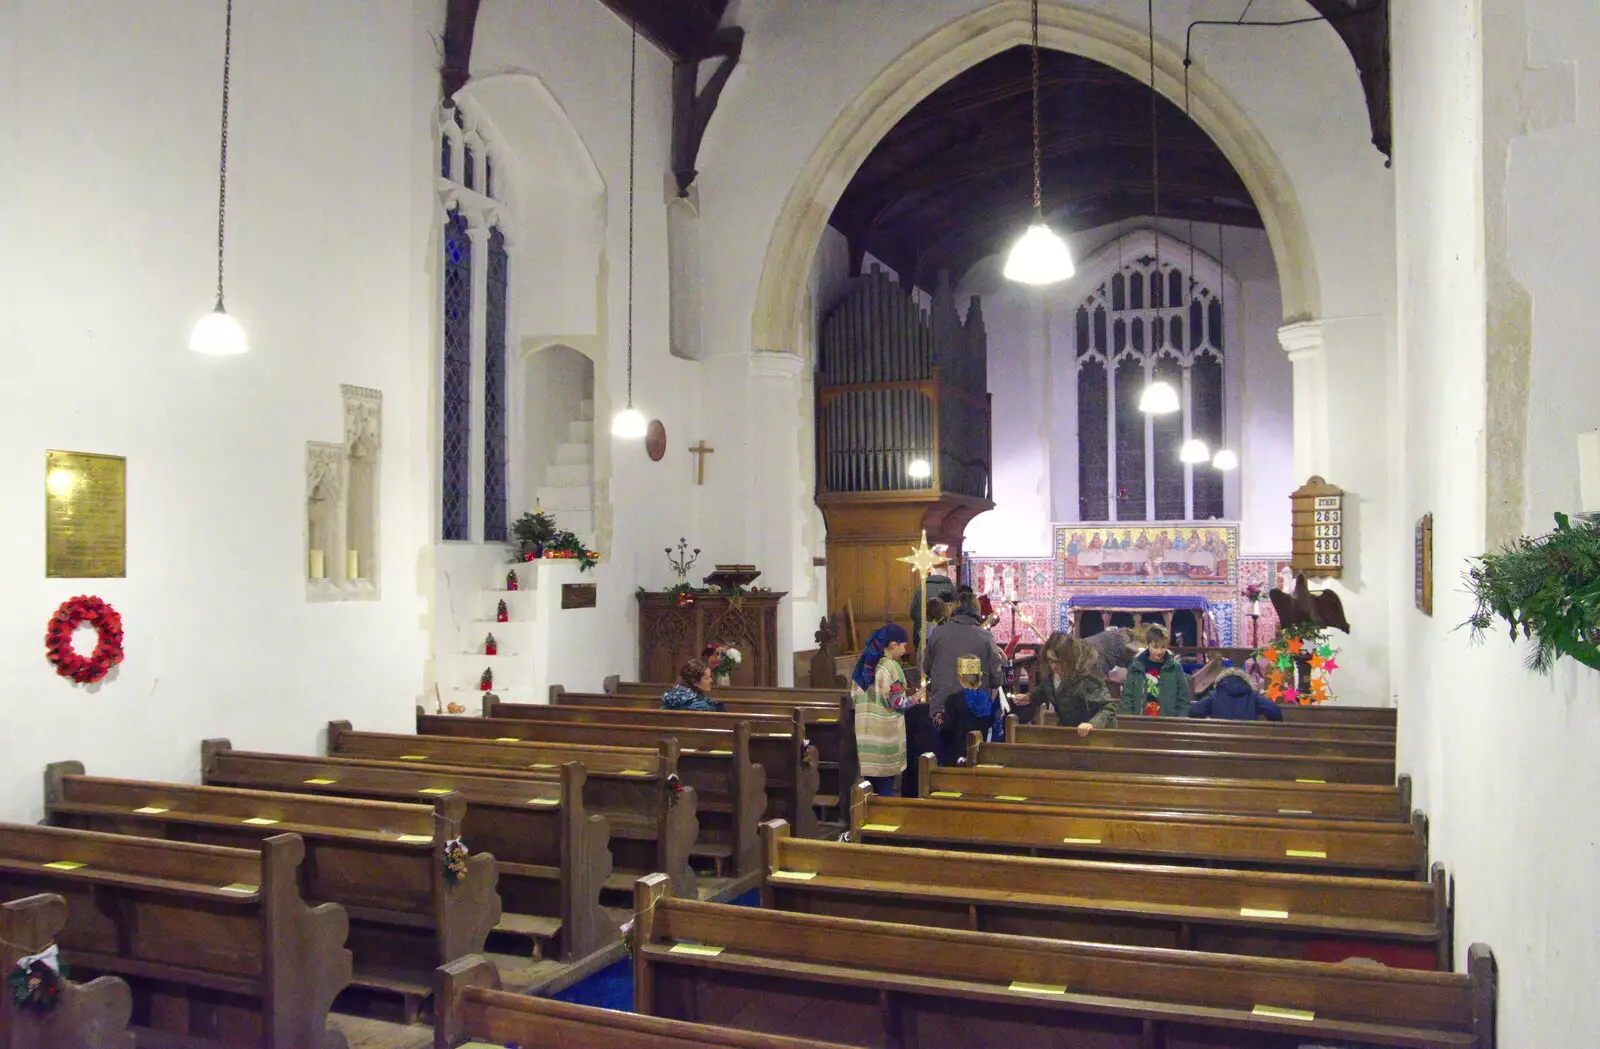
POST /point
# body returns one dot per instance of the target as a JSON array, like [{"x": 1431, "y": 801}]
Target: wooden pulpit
[{"x": 670, "y": 634}]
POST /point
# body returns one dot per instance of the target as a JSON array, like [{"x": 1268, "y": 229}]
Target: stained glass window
[
  {"x": 494, "y": 391},
  {"x": 457, "y": 400},
  {"x": 1154, "y": 329}
]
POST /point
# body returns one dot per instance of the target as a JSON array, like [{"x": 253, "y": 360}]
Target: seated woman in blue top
[
  {"x": 693, "y": 690},
  {"x": 1235, "y": 699}
]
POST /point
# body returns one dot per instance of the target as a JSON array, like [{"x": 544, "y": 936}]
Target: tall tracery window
[
  {"x": 476, "y": 298},
  {"x": 1138, "y": 325}
]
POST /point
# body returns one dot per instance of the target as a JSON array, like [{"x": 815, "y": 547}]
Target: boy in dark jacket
[
  {"x": 1235, "y": 699},
  {"x": 1156, "y": 676}
]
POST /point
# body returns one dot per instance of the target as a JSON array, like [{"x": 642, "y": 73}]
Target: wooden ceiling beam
[
  {"x": 455, "y": 67},
  {"x": 682, "y": 29}
]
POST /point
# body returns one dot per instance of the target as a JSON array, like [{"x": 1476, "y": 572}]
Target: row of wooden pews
[{"x": 1162, "y": 884}]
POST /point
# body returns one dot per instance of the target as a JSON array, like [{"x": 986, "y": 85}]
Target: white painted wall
[
  {"x": 109, "y": 206},
  {"x": 1032, "y": 379},
  {"x": 1493, "y": 177},
  {"x": 556, "y": 382}
]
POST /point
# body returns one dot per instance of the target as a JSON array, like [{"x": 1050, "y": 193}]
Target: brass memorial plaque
[{"x": 86, "y": 516}]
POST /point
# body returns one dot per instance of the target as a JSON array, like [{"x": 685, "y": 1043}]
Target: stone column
[
  {"x": 1303, "y": 342},
  {"x": 779, "y": 493}
]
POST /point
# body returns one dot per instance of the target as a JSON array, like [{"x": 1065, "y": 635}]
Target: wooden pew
[
  {"x": 1275, "y": 729},
  {"x": 876, "y": 983},
  {"x": 793, "y": 769},
  {"x": 471, "y": 1005},
  {"x": 1142, "y": 905},
  {"x": 1347, "y": 847},
  {"x": 650, "y": 826},
  {"x": 632, "y": 774},
  {"x": 383, "y": 862},
  {"x": 1338, "y": 714},
  {"x": 1158, "y": 762},
  {"x": 1327, "y": 801},
  {"x": 216, "y": 944},
  {"x": 719, "y": 763},
  {"x": 91, "y": 1015},
  {"x": 791, "y": 696},
  {"x": 550, "y": 851},
  {"x": 830, "y": 727},
  {"x": 1285, "y": 745}
]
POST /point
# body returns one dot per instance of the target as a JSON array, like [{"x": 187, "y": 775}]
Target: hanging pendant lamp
[
  {"x": 630, "y": 422},
  {"x": 1225, "y": 459},
  {"x": 217, "y": 333},
  {"x": 1158, "y": 397},
  {"x": 1194, "y": 450},
  {"x": 1039, "y": 256}
]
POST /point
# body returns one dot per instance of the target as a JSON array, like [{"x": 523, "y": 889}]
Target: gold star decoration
[{"x": 923, "y": 560}]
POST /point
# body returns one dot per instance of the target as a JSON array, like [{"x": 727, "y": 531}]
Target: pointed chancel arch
[{"x": 780, "y": 297}]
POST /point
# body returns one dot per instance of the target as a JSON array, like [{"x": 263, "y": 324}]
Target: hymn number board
[{"x": 1318, "y": 509}]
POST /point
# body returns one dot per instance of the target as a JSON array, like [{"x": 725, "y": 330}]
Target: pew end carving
[
  {"x": 450, "y": 981},
  {"x": 92, "y": 1015}
]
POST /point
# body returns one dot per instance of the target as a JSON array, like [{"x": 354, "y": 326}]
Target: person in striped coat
[{"x": 880, "y": 698}]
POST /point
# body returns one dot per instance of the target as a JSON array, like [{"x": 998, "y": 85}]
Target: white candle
[
  {"x": 318, "y": 570},
  {"x": 1589, "y": 471},
  {"x": 352, "y": 564}
]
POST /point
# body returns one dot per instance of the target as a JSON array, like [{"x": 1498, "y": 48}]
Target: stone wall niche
[
  {"x": 363, "y": 442},
  {"x": 323, "y": 516}
]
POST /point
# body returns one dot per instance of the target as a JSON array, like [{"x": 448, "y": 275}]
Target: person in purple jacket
[{"x": 1234, "y": 698}]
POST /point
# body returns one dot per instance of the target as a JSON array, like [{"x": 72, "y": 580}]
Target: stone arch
[{"x": 959, "y": 45}]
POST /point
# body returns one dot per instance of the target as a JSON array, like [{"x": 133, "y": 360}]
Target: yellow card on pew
[
  {"x": 1261, "y": 912},
  {"x": 241, "y": 888},
  {"x": 1037, "y": 988},
  {"x": 991, "y": 766},
  {"x": 416, "y": 839},
  {"x": 434, "y": 790},
  {"x": 543, "y": 801},
  {"x": 795, "y": 875},
  {"x": 260, "y": 821},
  {"x": 719, "y": 752},
  {"x": 1294, "y": 812},
  {"x": 1279, "y": 1013},
  {"x": 508, "y": 739},
  {"x": 945, "y": 794},
  {"x": 65, "y": 865},
  {"x": 634, "y": 772},
  {"x": 1009, "y": 797},
  {"x": 151, "y": 810},
  {"x": 479, "y": 1045},
  {"x": 1306, "y": 854},
  {"x": 699, "y": 950},
  {"x": 319, "y": 781},
  {"x": 1080, "y": 841},
  {"x": 1311, "y": 781},
  {"x": 882, "y": 828},
  {"x": 541, "y": 765},
  {"x": 826, "y": 721},
  {"x": 413, "y": 757}
]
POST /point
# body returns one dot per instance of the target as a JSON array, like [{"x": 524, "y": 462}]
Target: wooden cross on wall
[{"x": 700, "y": 451}]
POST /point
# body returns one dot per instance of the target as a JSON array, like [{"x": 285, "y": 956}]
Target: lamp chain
[
  {"x": 633, "y": 98},
  {"x": 222, "y": 180},
  {"x": 1155, "y": 135},
  {"x": 1038, "y": 195}
]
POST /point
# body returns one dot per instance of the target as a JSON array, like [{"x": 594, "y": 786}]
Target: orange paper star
[
  {"x": 1276, "y": 677},
  {"x": 1316, "y": 662},
  {"x": 1274, "y": 693},
  {"x": 1295, "y": 645},
  {"x": 1270, "y": 655}
]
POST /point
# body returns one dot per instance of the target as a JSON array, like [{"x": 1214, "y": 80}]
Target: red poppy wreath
[{"x": 58, "y": 639}]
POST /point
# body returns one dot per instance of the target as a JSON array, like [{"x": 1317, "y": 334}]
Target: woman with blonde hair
[{"x": 1071, "y": 681}]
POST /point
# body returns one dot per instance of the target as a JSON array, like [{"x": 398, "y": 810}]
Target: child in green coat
[{"x": 1156, "y": 683}]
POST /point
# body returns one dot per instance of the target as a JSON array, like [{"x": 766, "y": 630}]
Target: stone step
[
  {"x": 586, "y": 410},
  {"x": 580, "y": 431},
  {"x": 573, "y": 497},
  {"x": 579, "y": 521},
  {"x": 572, "y": 454},
  {"x": 563, "y": 475}
]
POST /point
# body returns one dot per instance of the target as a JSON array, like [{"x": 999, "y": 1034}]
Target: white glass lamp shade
[
  {"x": 630, "y": 423},
  {"x": 919, "y": 469},
  {"x": 1194, "y": 450},
  {"x": 1158, "y": 398},
  {"x": 1225, "y": 460},
  {"x": 1039, "y": 257},
  {"x": 218, "y": 335}
]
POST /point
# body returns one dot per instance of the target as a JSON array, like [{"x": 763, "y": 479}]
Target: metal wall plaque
[
  {"x": 578, "y": 595},
  {"x": 86, "y": 516}
]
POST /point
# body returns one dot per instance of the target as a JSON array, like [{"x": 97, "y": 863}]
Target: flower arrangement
[
  {"x": 567, "y": 545},
  {"x": 1548, "y": 589},
  {"x": 724, "y": 660},
  {"x": 455, "y": 860},
  {"x": 35, "y": 983},
  {"x": 1253, "y": 592}
]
